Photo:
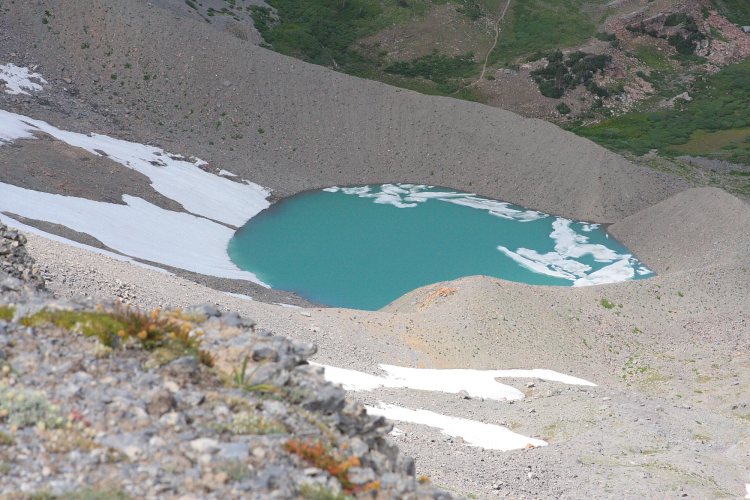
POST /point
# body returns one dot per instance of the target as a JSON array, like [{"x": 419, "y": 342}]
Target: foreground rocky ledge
[{"x": 107, "y": 401}]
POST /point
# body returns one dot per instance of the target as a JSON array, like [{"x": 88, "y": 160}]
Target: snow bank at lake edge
[
  {"x": 192, "y": 241},
  {"x": 177, "y": 178},
  {"x": 138, "y": 229}
]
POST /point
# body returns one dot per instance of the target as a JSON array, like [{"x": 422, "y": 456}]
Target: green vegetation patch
[
  {"x": 606, "y": 304},
  {"x": 320, "y": 492},
  {"x": 322, "y": 31},
  {"x": 737, "y": 11},
  {"x": 23, "y": 408},
  {"x": 6, "y": 439},
  {"x": 7, "y": 313},
  {"x": 254, "y": 424},
  {"x": 325, "y": 32},
  {"x": 172, "y": 330},
  {"x": 436, "y": 67},
  {"x": 471, "y": 9},
  {"x": 653, "y": 58},
  {"x": 83, "y": 494},
  {"x": 563, "y": 108},
  {"x": 703, "y": 141},
  {"x": 685, "y": 41},
  {"x": 92, "y": 324},
  {"x": 538, "y": 26},
  {"x": 713, "y": 124},
  {"x": 561, "y": 73}
]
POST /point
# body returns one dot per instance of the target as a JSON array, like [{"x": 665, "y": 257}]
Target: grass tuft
[
  {"x": 606, "y": 304},
  {"x": 172, "y": 331},
  {"x": 320, "y": 492},
  {"x": 7, "y": 313},
  {"x": 246, "y": 423}
]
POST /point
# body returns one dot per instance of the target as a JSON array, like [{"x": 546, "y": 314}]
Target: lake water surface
[{"x": 363, "y": 247}]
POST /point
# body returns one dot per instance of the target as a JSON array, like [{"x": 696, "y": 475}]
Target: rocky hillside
[
  {"x": 303, "y": 126},
  {"x": 639, "y": 77},
  {"x": 109, "y": 401}
]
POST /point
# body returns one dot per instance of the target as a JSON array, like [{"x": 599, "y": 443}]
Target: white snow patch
[
  {"x": 622, "y": 270},
  {"x": 551, "y": 263},
  {"x": 747, "y": 489},
  {"x": 13, "y": 129},
  {"x": 488, "y": 436},
  {"x": 288, "y": 306},
  {"x": 11, "y": 222},
  {"x": 19, "y": 79},
  {"x": 477, "y": 383},
  {"x": 239, "y": 296},
  {"x": 396, "y": 432},
  {"x": 561, "y": 263},
  {"x": 411, "y": 195},
  {"x": 497, "y": 208},
  {"x": 138, "y": 229},
  {"x": 569, "y": 246},
  {"x": 175, "y": 177},
  {"x": 226, "y": 173}
]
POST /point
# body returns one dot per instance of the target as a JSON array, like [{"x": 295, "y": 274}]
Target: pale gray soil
[
  {"x": 699, "y": 228},
  {"x": 233, "y": 18},
  {"x": 669, "y": 416},
  {"x": 714, "y": 165}
]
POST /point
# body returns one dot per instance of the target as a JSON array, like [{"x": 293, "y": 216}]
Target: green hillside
[
  {"x": 737, "y": 11},
  {"x": 327, "y": 32}
]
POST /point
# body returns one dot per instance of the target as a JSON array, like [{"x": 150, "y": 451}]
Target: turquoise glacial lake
[{"x": 363, "y": 247}]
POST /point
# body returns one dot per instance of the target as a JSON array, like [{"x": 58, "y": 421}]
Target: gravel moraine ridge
[
  {"x": 143, "y": 422},
  {"x": 15, "y": 262}
]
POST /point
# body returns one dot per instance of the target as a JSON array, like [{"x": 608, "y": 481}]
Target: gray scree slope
[{"x": 293, "y": 126}]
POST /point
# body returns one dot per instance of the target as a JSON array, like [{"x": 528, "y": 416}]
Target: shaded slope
[
  {"x": 293, "y": 126},
  {"x": 694, "y": 229}
]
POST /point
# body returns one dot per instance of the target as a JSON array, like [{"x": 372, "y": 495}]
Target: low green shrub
[
  {"x": 436, "y": 67},
  {"x": 7, "y": 313},
  {"x": 24, "y": 408},
  {"x": 606, "y": 304},
  {"x": 563, "y": 108},
  {"x": 471, "y": 9},
  {"x": 247, "y": 423},
  {"x": 561, "y": 74},
  {"x": 165, "y": 330}
]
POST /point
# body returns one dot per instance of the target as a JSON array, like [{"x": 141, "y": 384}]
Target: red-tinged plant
[{"x": 323, "y": 458}]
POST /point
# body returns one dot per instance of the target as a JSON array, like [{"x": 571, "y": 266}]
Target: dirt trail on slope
[{"x": 494, "y": 44}]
